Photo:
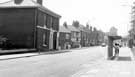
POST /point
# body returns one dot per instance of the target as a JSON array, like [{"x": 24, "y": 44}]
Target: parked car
[{"x": 103, "y": 44}]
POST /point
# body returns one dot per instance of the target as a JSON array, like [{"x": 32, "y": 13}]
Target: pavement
[
  {"x": 51, "y": 65},
  {"x": 122, "y": 66},
  {"x": 14, "y": 56},
  {"x": 31, "y": 54}
]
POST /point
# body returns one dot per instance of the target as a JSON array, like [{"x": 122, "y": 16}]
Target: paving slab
[
  {"x": 123, "y": 66},
  {"x": 30, "y": 53}
]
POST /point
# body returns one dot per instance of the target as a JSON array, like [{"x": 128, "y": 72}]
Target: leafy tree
[
  {"x": 87, "y": 26},
  {"x": 76, "y": 23},
  {"x": 95, "y": 29},
  {"x": 65, "y": 24},
  {"x": 91, "y": 28},
  {"x": 132, "y": 30}
]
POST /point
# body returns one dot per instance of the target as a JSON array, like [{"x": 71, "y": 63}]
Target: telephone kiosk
[{"x": 111, "y": 39}]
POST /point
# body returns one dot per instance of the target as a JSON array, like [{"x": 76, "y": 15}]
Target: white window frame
[
  {"x": 67, "y": 36},
  {"x": 45, "y": 21},
  {"x": 44, "y": 38},
  {"x": 51, "y": 21}
]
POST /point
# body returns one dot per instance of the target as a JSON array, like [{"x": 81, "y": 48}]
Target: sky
[{"x": 102, "y": 14}]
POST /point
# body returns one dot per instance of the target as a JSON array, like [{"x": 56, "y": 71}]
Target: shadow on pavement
[
  {"x": 122, "y": 58},
  {"x": 32, "y": 55},
  {"x": 54, "y": 52}
]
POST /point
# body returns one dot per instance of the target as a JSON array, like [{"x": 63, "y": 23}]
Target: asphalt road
[{"x": 52, "y": 65}]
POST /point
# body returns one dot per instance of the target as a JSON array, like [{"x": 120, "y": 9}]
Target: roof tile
[
  {"x": 72, "y": 28},
  {"x": 63, "y": 29}
]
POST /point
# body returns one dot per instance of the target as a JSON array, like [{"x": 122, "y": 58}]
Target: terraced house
[
  {"x": 64, "y": 37},
  {"x": 28, "y": 24},
  {"x": 75, "y": 36}
]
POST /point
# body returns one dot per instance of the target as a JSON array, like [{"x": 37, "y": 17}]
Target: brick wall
[{"x": 17, "y": 24}]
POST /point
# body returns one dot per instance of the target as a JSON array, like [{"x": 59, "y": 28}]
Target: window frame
[{"x": 44, "y": 40}]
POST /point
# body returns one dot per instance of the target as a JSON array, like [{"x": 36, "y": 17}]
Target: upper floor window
[
  {"x": 45, "y": 20},
  {"x": 53, "y": 25},
  {"x": 74, "y": 34},
  {"x": 51, "y": 21},
  {"x": 48, "y": 20},
  {"x": 78, "y": 34},
  {"x": 67, "y": 36}
]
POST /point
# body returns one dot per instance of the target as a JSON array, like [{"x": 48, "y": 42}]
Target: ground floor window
[{"x": 44, "y": 39}]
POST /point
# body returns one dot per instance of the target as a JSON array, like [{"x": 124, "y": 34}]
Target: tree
[
  {"x": 76, "y": 23},
  {"x": 65, "y": 24},
  {"x": 87, "y": 26},
  {"x": 95, "y": 29},
  {"x": 91, "y": 28},
  {"x": 132, "y": 30}
]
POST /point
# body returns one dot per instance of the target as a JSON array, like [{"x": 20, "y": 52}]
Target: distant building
[
  {"x": 101, "y": 37},
  {"x": 125, "y": 40},
  {"x": 113, "y": 31},
  {"x": 94, "y": 37},
  {"x": 64, "y": 37},
  {"x": 28, "y": 24},
  {"x": 75, "y": 36},
  {"x": 86, "y": 37}
]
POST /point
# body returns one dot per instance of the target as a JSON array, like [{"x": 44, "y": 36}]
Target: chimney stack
[
  {"x": 18, "y": 1},
  {"x": 40, "y": 2}
]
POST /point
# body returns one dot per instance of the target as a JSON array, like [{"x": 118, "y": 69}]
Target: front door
[
  {"x": 55, "y": 40},
  {"x": 51, "y": 40}
]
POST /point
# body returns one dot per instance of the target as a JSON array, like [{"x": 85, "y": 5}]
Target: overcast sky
[{"x": 102, "y": 14}]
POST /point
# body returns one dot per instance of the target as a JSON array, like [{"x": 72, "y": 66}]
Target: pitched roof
[
  {"x": 63, "y": 29},
  {"x": 27, "y": 4},
  {"x": 83, "y": 28},
  {"x": 115, "y": 37},
  {"x": 86, "y": 30},
  {"x": 72, "y": 28}
]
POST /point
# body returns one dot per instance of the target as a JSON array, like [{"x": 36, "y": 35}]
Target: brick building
[
  {"x": 75, "y": 36},
  {"x": 64, "y": 37},
  {"x": 84, "y": 33},
  {"x": 28, "y": 24}
]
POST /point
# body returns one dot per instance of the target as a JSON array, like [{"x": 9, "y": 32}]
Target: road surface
[
  {"x": 76, "y": 63},
  {"x": 53, "y": 65},
  {"x": 85, "y": 62}
]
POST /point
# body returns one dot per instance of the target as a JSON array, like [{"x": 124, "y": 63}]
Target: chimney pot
[
  {"x": 18, "y": 1},
  {"x": 40, "y": 2}
]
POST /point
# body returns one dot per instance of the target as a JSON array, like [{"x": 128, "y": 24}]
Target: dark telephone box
[{"x": 110, "y": 45}]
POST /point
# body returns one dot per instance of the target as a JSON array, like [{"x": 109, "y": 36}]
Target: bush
[{"x": 5, "y": 43}]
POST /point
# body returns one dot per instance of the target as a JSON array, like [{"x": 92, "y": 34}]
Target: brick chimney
[
  {"x": 18, "y": 1},
  {"x": 40, "y": 2}
]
